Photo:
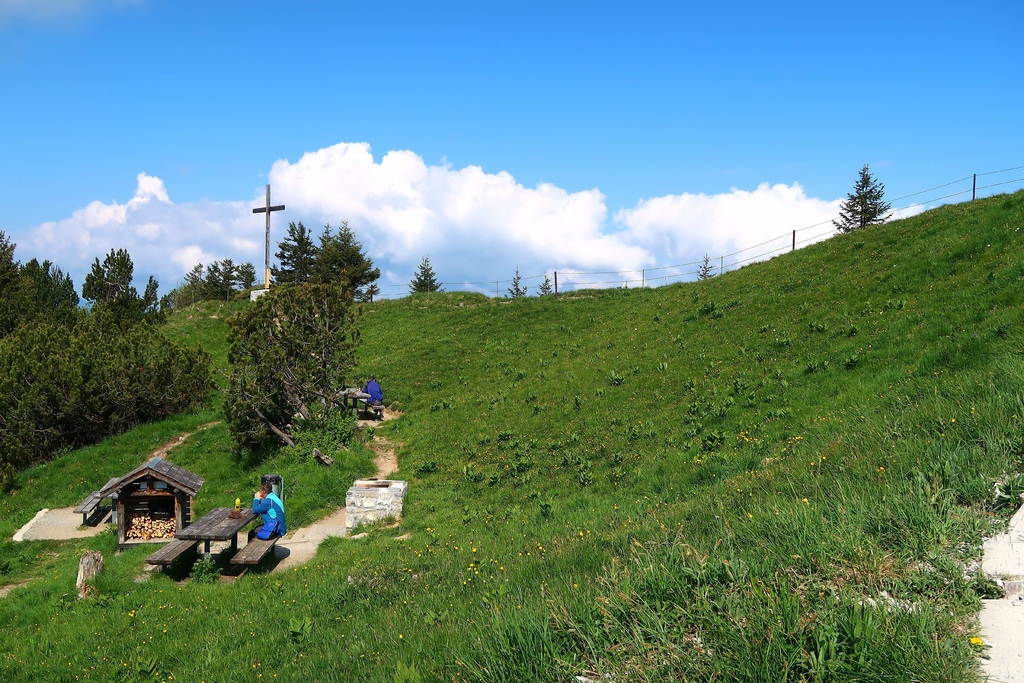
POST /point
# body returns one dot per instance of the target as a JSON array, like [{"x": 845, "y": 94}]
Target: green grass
[{"x": 710, "y": 480}]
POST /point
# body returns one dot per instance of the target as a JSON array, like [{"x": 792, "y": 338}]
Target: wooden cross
[{"x": 267, "y": 210}]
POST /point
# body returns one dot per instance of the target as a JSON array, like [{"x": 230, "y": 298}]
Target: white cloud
[
  {"x": 477, "y": 224},
  {"x": 476, "y": 227},
  {"x": 682, "y": 228},
  {"x": 163, "y": 238}
]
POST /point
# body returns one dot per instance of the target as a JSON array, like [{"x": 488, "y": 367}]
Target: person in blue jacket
[
  {"x": 376, "y": 400},
  {"x": 376, "y": 393},
  {"x": 267, "y": 504}
]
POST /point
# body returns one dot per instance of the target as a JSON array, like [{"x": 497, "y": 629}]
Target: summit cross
[{"x": 267, "y": 210}]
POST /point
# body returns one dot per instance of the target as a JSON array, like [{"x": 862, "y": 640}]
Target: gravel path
[{"x": 1002, "y": 621}]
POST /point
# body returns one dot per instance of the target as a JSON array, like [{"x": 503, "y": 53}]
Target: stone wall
[{"x": 371, "y": 500}]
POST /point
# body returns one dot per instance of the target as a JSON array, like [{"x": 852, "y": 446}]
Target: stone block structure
[{"x": 371, "y": 500}]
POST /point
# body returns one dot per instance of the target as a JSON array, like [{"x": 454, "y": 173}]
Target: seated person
[
  {"x": 375, "y": 392},
  {"x": 266, "y": 503}
]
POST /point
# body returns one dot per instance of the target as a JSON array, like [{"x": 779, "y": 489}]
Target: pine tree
[
  {"x": 108, "y": 287},
  {"x": 49, "y": 291},
  {"x": 546, "y": 287},
  {"x": 296, "y": 255},
  {"x": 340, "y": 260},
  {"x": 246, "y": 275},
  {"x": 425, "y": 279},
  {"x": 864, "y": 206},
  {"x": 517, "y": 290},
  {"x": 705, "y": 269},
  {"x": 220, "y": 279}
]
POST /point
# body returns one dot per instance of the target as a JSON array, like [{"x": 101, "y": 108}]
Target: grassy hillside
[{"x": 781, "y": 473}]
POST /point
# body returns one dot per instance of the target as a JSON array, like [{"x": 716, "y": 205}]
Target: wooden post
[
  {"x": 974, "y": 187},
  {"x": 643, "y": 278},
  {"x": 556, "y": 282},
  {"x": 794, "y": 241},
  {"x": 721, "y": 266}
]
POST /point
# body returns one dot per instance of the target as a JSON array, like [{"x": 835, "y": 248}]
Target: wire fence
[{"x": 572, "y": 280}]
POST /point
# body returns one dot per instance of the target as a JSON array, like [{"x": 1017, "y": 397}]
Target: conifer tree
[
  {"x": 221, "y": 278},
  {"x": 246, "y": 275},
  {"x": 546, "y": 287},
  {"x": 865, "y": 205},
  {"x": 340, "y": 260},
  {"x": 517, "y": 290},
  {"x": 705, "y": 269},
  {"x": 108, "y": 287},
  {"x": 425, "y": 279},
  {"x": 295, "y": 255}
]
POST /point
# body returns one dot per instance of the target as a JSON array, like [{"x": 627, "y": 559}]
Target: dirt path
[
  {"x": 300, "y": 546},
  {"x": 163, "y": 450}
]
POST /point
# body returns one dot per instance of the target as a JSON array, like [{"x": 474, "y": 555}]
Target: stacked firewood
[{"x": 146, "y": 528}]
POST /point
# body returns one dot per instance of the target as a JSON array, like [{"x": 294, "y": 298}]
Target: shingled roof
[{"x": 179, "y": 477}]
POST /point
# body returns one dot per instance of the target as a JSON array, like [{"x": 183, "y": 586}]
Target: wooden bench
[
  {"x": 377, "y": 411},
  {"x": 88, "y": 506},
  {"x": 254, "y": 551},
  {"x": 171, "y": 552},
  {"x": 91, "y": 503}
]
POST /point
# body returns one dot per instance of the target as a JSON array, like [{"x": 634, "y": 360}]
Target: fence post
[
  {"x": 794, "y": 241},
  {"x": 974, "y": 187},
  {"x": 495, "y": 290},
  {"x": 721, "y": 266},
  {"x": 643, "y": 278},
  {"x": 556, "y": 282}
]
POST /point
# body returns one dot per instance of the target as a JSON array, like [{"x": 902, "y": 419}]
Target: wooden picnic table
[
  {"x": 355, "y": 395},
  {"x": 217, "y": 525}
]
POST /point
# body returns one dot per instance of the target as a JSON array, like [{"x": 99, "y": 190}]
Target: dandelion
[
  {"x": 977, "y": 642},
  {"x": 805, "y": 500}
]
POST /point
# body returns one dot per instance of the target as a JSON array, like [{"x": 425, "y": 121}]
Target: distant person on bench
[
  {"x": 267, "y": 504},
  {"x": 376, "y": 394}
]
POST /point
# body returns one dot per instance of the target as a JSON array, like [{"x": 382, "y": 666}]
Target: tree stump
[{"x": 89, "y": 567}]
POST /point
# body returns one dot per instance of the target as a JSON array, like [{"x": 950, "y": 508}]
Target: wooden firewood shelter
[{"x": 156, "y": 497}]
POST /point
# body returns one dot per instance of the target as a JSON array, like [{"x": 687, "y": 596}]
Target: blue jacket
[
  {"x": 272, "y": 510},
  {"x": 373, "y": 389}
]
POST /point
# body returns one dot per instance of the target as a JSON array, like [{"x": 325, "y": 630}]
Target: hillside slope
[{"x": 781, "y": 473}]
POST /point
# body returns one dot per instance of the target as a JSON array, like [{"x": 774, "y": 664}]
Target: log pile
[{"x": 145, "y": 528}]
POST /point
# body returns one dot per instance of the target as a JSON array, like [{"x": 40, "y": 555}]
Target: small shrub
[
  {"x": 710, "y": 310},
  {"x": 425, "y": 467},
  {"x": 205, "y": 570}
]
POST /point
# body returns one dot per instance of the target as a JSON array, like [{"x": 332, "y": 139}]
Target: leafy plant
[
  {"x": 300, "y": 628},
  {"x": 205, "y": 570},
  {"x": 425, "y": 467}
]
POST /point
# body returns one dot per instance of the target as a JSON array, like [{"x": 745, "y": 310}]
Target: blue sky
[{"x": 558, "y": 135}]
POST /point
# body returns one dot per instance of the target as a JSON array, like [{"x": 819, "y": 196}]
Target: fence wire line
[{"x": 750, "y": 259}]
